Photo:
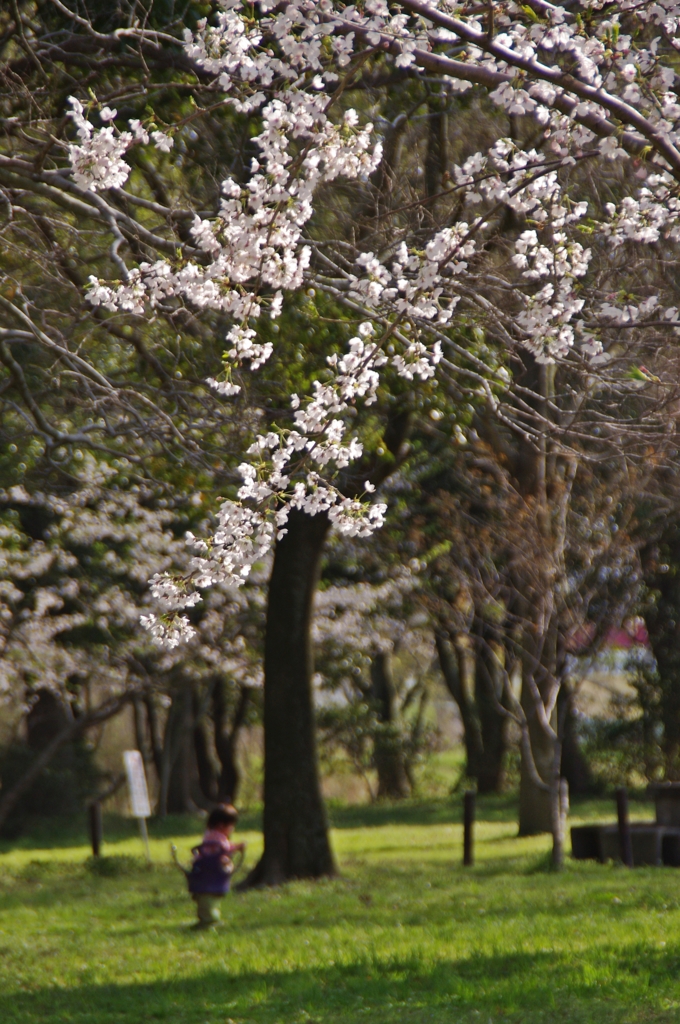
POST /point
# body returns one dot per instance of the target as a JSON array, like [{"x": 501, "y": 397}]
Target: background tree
[{"x": 374, "y": 658}]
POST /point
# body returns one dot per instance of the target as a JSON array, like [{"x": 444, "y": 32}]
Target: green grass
[{"x": 405, "y": 935}]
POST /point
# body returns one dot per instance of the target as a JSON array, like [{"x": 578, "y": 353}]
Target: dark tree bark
[
  {"x": 388, "y": 752},
  {"x": 140, "y": 731},
  {"x": 452, "y": 662},
  {"x": 166, "y": 760},
  {"x": 436, "y": 160},
  {"x": 478, "y": 699},
  {"x": 537, "y": 805},
  {"x": 226, "y": 737},
  {"x": 575, "y": 767},
  {"x": 178, "y": 767},
  {"x": 661, "y": 563},
  {"x": 493, "y": 723},
  {"x": 383, "y": 178},
  {"x": 155, "y": 734},
  {"x": 535, "y": 812},
  {"x": 296, "y": 843},
  {"x": 47, "y": 718},
  {"x": 206, "y": 762}
]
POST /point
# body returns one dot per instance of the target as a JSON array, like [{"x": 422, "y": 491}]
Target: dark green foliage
[
  {"x": 353, "y": 733},
  {"x": 628, "y": 750}
]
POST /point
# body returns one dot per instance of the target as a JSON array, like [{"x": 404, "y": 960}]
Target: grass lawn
[{"x": 404, "y": 935}]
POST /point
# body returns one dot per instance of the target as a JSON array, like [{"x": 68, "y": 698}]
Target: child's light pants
[{"x": 208, "y": 908}]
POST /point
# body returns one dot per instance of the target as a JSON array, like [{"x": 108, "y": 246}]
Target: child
[{"x": 213, "y": 867}]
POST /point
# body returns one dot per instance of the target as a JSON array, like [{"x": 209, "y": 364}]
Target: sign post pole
[
  {"x": 145, "y": 837},
  {"x": 139, "y": 794}
]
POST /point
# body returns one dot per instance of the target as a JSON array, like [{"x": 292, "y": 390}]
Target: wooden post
[
  {"x": 96, "y": 827},
  {"x": 625, "y": 840},
  {"x": 468, "y": 823}
]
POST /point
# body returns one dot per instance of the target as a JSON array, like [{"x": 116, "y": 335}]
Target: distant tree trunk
[
  {"x": 575, "y": 768},
  {"x": 296, "y": 843},
  {"x": 661, "y": 563},
  {"x": 388, "y": 750},
  {"x": 140, "y": 731},
  {"x": 489, "y": 666},
  {"x": 178, "y": 764},
  {"x": 226, "y": 737},
  {"x": 436, "y": 160},
  {"x": 166, "y": 760},
  {"x": 206, "y": 762},
  {"x": 542, "y": 808},
  {"x": 544, "y": 794},
  {"x": 536, "y": 805},
  {"x": 456, "y": 672},
  {"x": 155, "y": 735}
]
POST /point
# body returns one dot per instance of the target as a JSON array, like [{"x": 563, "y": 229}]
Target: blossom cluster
[
  {"x": 366, "y": 617},
  {"x": 256, "y": 235},
  {"x": 653, "y": 214},
  {"x": 97, "y": 161},
  {"x": 547, "y": 314}
]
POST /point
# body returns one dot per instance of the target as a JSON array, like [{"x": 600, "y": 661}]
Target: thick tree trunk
[
  {"x": 47, "y": 718},
  {"x": 478, "y": 692},
  {"x": 296, "y": 843},
  {"x": 183, "y": 768},
  {"x": 388, "y": 751},
  {"x": 436, "y": 160},
  {"x": 559, "y": 810}
]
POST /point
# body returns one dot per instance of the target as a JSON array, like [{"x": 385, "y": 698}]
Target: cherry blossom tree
[
  {"x": 75, "y": 572},
  {"x": 594, "y": 92}
]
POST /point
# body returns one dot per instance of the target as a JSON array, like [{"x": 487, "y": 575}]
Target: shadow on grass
[
  {"x": 448, "y": 811},
  {"x": 494, "y": 808},
  {"x": 50, "y": 834},
  {"x": 534, "y": 988},
  {"x": 47, "y": 834}
]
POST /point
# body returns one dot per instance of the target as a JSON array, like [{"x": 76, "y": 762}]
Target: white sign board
[{"x": 139, "y": 795}]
